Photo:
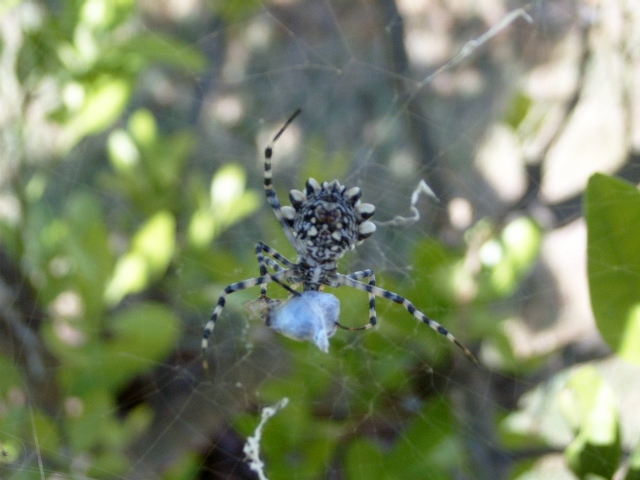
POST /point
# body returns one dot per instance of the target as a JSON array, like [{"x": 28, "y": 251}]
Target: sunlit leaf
[
  {"x": 525, "y": 428},
  {"x": 143, "y": 127},
  {"x": 123, "y": 152},
  {"x": 155, "y": 241},
  {"x": 229, "y": 199},
  {"x": 151, "y": 251},
  {"x": 613, "y": 249},
  {"x": 36, "y": 186},
  {"x": 130, "y": 276},
  {"x": 230, "y": 202},
  {"x": 201, "y": 228},
  {"x": 100, "y": 14},
  {"x": 510, "y": 256},
  {"x": 6, "y": 5},
  {"x": 590, "y": 405},
  {"x": 102, "y": 106}
]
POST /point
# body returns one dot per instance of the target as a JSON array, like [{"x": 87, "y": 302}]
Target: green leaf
[
  {"x": 414, "y": 453},
  {"x": 634, "y": 465},
  {"x": 151, "y": 251},
  {"x": 164, "y": 162},
  {"x": 518, "y": 109},
  {"x": 439, "y": 451},
  {"x": 144, "y": 128},
  {"x": 155, "y": 241},
  {"x": 163, "y": 49},
  {"x": 8, "y": 5},
  {"x": 142, "y": 336},
  {"x": 509, "y": 257},
  {"x": 589, "y": 403},
  {"x": 435, "y": 279},
  {"x": 47, "y": 431},
  {"x": 612, "y": 209},
  {"x": 123, "y": 152},
  {"x": 102, "y": 106},
  {"x": 137, "y": 339},
  {"x": 230, "y": 203},
  {"x": 87, "y": 244},
  {"x": 364, "y": 461},
  {"x": 235, "y": 11}
]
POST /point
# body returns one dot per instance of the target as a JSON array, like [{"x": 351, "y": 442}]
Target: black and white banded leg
[
  {"x": 270, "y": 193},
  {"x": 262, "y": 250},
  {"x": 410, "y": 307},
  {"x": 372, "y": 299},
  {"x": 278, "y": 277}
]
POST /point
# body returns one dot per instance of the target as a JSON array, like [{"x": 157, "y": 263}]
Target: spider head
[{"x": 328, "y": 219}]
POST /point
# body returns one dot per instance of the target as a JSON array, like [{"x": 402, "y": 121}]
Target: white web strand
[
  {"x": 399, "y": 220},
  {"x": 252, "y": 446},
  {"x": 468, "y": 49},
  {"x": 472, "y": 45}
]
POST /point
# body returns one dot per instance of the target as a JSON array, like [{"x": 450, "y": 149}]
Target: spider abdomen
[{"x": 328, "y": 219}]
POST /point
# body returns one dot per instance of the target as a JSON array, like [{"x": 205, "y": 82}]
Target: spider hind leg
[
  {"x": 372, "y": 301},
  {"x": 410, "y": 307}
]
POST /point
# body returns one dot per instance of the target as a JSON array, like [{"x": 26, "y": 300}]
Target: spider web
[{"x": 501, "y": 118}]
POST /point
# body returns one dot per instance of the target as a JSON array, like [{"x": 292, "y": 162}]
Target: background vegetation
[{"x": 130, "y": 196}]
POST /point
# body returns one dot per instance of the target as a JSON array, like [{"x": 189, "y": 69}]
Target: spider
[{"x": 322, "y": 223}]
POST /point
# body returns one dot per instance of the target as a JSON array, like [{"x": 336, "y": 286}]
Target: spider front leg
[
  {"x": 372, "y": 300},
  {"x": 272, "y": 197},
  {"x": 263, "y": 249},
  {"x": 277, "y": 277},
  {"x": 409, "y": 306}
]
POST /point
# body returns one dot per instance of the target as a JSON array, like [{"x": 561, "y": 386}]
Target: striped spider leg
[
  {"x": 368, "y": 273},
  {"x": 280, "y": 276},
  {"x": 262, "y": 249},
  {"x": 262, "y": 280},
  {"x": 350, "y": 281}
]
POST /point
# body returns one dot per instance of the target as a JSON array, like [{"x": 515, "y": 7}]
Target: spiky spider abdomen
[{"x": 328, "y": 220}]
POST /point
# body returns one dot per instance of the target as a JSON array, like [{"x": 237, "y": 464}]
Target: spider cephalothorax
[
  {"x": 328, "y": 219},
  {"x": 322, "y": 224}
]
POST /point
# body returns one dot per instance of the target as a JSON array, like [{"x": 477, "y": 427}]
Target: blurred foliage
[
  {"x": 612, "y": 208},
  {"x": 121, "y": 259},
  {"x": 590, "y": 407}
]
